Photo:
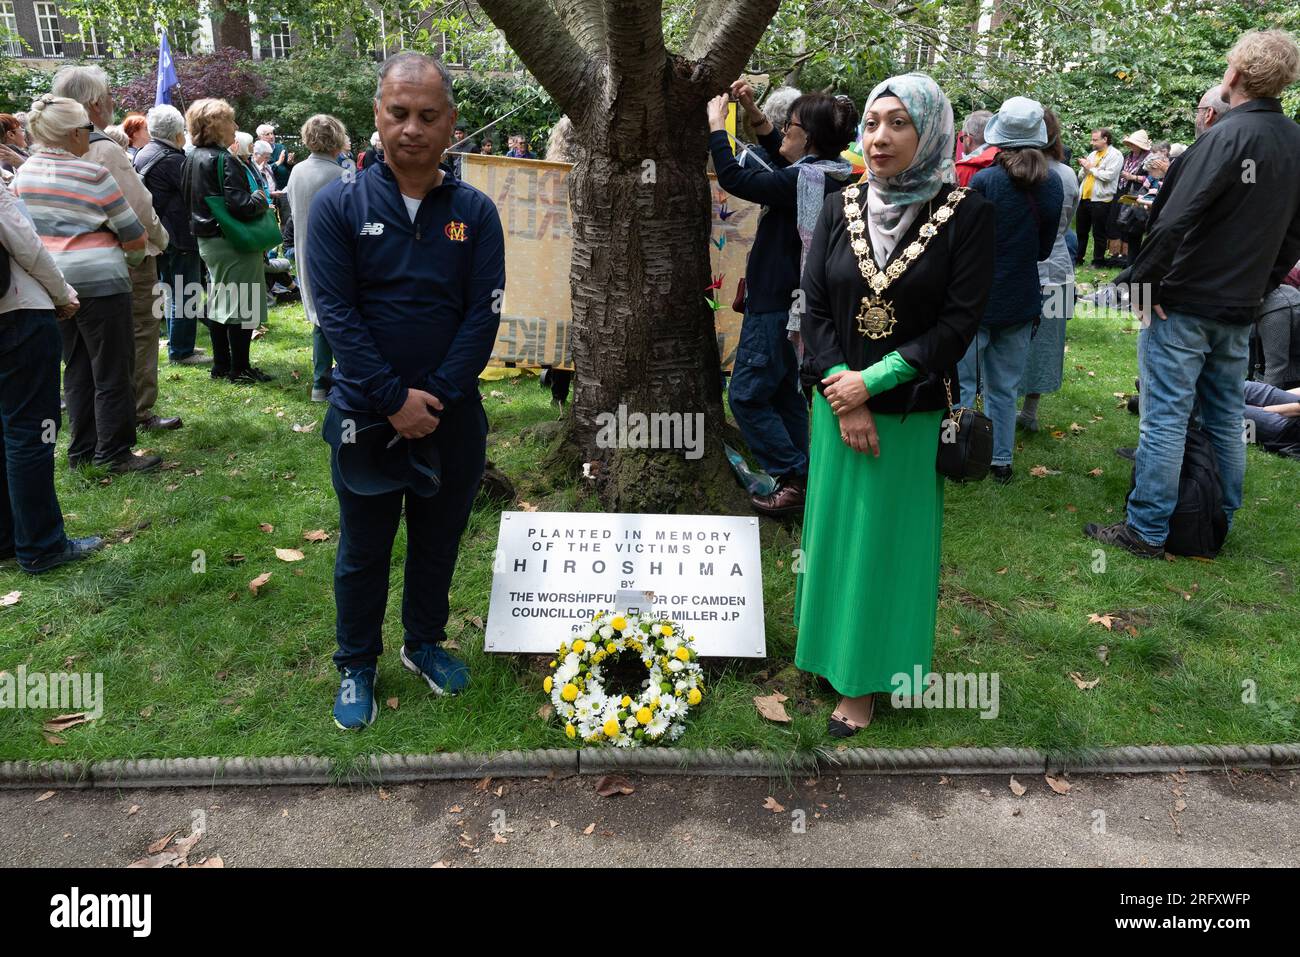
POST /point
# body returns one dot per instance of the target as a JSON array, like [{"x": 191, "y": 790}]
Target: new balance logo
[{"x": 372, "y": 229}]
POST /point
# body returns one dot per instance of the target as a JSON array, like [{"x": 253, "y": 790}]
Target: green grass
[{"x": 194, "y": 664}]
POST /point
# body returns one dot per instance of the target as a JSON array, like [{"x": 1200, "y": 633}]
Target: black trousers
[
  {"x": 230, "y": 345},
  {"x": 98, "y": 354},
  {"x": 368, "y": 526},
  {"x": 1094, "y": 218}
]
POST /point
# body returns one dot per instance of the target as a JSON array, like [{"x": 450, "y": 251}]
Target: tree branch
[
  {"x": 551, "y": 54},
  {"x": 635, "y": 42},
  {"x": 585, "y": 21},
  {"x": 721, "y": 44}
]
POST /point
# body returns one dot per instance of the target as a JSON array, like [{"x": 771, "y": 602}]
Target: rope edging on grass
[{"x": 394, "y": 768}]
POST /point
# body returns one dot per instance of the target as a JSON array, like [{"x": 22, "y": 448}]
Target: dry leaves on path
[
  {"x": 1017, "y": 788},
  {"x": 771, "y": 707},
  {"x": 771, "y": 804},
  {"x": 613, "y": 785},
  {"x": 1059, "y": 785}
]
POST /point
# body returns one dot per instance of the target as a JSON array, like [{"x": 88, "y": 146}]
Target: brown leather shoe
[
  {"x": 156, "y": 423},
  {"x": 786, "y": 499}
]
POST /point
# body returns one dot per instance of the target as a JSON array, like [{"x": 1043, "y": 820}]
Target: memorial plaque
[{"x": 554, "y": 570}]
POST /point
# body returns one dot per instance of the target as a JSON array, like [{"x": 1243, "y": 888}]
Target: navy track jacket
[{"x": 401, "y": 304}]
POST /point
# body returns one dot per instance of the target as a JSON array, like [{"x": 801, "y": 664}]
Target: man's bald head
[{"x": 1212, "y": 106}]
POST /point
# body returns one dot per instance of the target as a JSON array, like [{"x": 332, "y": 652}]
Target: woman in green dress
[{"x": 895, "y": 283}]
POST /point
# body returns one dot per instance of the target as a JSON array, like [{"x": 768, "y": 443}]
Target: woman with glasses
[
  {"x": 791, "y": 176},
  {"x": 89, "y": 229}
]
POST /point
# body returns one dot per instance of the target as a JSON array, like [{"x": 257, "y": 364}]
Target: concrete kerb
[{"x": 380, "y": 769}]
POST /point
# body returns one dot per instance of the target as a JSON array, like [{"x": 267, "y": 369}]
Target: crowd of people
[{"x": 873, "y": 308}]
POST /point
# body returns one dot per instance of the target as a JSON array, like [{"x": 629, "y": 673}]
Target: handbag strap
[{"x": 947, "y": 383}]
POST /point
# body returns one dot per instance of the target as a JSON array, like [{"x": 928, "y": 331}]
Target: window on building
[
  {"x": 94, "y": 43},
  {"x": 9, "y": 22},
  {"x": 322, "y": 35},
  {"x": 51, "y": 35},
  {"x": 275, "y": 40}
]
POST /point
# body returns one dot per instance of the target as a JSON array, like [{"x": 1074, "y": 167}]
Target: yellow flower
[
  {"x": 571, "y": 731},
  {"x": 694, "y": 696},
  {"x": 547, "y": 684},
  {"x": 619, "y": 623},
  {"x": 579, "y": 645},
  {"x": 643, "y": 716},
  {"x": 634, "y": 645},
  {"x": 598, "y": 657},
  {"x": 611, "y": 648},
  {"x": 655, "y": 703},
  {"x": 668, "y": 631},
  {"x": 610, "y": 728},
  {"x": 569, "y": 692},
  {"x": 625, "y": 702},
  {"x": 682, "y": 654},
  {"x": 552, "y": 664}
]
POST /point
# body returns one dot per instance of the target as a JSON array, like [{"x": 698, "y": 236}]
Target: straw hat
[{"x": 1139, "y": 140}]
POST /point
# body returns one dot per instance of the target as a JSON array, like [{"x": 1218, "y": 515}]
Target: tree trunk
[
  {"x": 643, "y": 335},
  {"x": 230, "y": 27}
]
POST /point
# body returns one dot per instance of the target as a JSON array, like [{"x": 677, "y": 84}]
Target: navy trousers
[{"x": 368, "y": 526}]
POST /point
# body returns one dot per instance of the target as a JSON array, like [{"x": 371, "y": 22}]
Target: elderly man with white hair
[
  {"x": 88, "y": 85},
  {"x": 161, "y": 165},
  {"x": 281, "y": 160}
]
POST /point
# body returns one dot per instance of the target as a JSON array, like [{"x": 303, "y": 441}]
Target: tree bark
[
  {"x": 643, "y": 335},
  {"x": 230, "y": 27}
]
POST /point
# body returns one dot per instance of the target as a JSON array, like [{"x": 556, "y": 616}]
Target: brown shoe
[
  {"x": 156, "y": 423},
  {"x": 786, "y": 499},
  {"x": 135, "y": 463}
]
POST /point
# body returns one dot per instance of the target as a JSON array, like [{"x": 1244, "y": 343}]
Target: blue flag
[{"x": 166, "y": 73}]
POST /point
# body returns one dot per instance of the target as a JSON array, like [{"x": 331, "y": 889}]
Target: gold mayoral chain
[{"x": 876, "y": 317}]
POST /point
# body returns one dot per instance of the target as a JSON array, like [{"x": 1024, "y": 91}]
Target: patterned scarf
[
  {"x": 932, "y": 166},
  {"x": 810, "y": 195}
]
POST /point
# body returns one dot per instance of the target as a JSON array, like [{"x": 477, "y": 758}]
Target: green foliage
[
  {"x": 327, "y": 81},
  {"x": 482, "y": 99},
  {"x": 19, "y": 85}
]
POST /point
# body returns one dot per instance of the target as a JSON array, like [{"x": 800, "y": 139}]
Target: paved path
[{"x": 1224, "y": 818}]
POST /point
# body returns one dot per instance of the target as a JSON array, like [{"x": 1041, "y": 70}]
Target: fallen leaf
[
  {"x": 1105, "y": 620},
  {"x": 1082, "y": 684},
  {"x": 1002, "y": 570},
  {"x": 553, "y": 823},
  {"x": 1041, "y": 471},
  {"x": 266, "y": 527},
  {"x": 289, "y": 555},
  {"x": 527, "y": 507},
  {"x": 135, "y": 809},
  {"x": 771, "y": 708},
  {"x": 477, "y": 622},
  {"x": 45, "y": 797},
  {"x": 772, "y": 805},
  {"x": 317, "y": 535},
  {"x": 304, "y": 428},
  {"x": 11, "y": 599},
  {"x": 590, "y": 828},
  {"x": 483, "y": 783},
  {"x": 1017, "y": 788},
  {"x": 392, "y": 703},
  {"x": 1094, "y": 472},
  {"x": 500, "y": 790},
  {"x": 1059, "y": 785},
  {"x": 65, "y": 721},
  {"x": 162, "y": 842},
  {"x": 211, "y": 862},
  {"x": 1076, "y": 428},
  {"x": 1070, "y": 508},
  {"x": 53, "y": 738},
  {"x": 168, "y": 859},
  {"x": 384, "y": 795},
  {"x": 455, "y": 809},
  {"x": 259, "y": 581},
  {"x": 612, "y": 785},
  {"x": 1180, "y": 805},
  {"x": 546, "y": 711},
  {"x": 498, "y": 839}
]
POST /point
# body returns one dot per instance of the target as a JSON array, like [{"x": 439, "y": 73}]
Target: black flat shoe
[{"x": 839, "y": 726}]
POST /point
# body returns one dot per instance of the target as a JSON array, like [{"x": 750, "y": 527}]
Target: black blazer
[
  {"x": 938, "y": 301},
  {"x": 199, "y": 180}
]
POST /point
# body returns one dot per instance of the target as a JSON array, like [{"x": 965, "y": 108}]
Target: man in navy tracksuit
[{"x": 407, "y": 268}]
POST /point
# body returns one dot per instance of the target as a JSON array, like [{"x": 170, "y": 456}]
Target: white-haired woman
[
  {"x": 161, "y": 164},
  {"x": 92, "y": 234},
  {"x": 325, "y": 137},
  {"x": 237, "y": 295}
]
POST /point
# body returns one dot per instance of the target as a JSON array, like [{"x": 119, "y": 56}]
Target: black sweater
[
  {"x": 938, "y": 302},
  {"x": 772, "y": 271}
]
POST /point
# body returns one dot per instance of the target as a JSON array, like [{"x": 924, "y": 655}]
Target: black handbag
[
  {"x": 1132, "y": 217},
  {"x": 965, "y": 438}
]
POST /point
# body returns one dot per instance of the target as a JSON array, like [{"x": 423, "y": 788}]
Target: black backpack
[{"x": 1198, "y": 525}]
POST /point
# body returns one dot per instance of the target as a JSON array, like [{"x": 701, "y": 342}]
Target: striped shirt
[{"x": 83, "y": 220}]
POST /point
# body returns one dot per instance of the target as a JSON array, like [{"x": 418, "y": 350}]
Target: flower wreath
[{"x": 671, "y": 682}]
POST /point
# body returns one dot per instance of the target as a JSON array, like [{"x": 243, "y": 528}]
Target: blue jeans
[
  {"x": 1003, "y": 353},
  {"x": 31, "y": 522},
  {"x": 368, "y": 525},
  {"x": 765, "y": 396},
  {"x": 1182, "y": 360},
  {"x": 322, "y": 358},
  {"x": 178, "y": 269}
]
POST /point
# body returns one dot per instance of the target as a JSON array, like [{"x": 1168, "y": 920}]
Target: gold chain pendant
[{"x": 876, "y": 318}]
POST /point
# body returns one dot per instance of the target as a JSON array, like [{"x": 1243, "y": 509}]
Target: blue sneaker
[
  {"x": 355, "y": 706},
  {"x": 444, "y": 673}
]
